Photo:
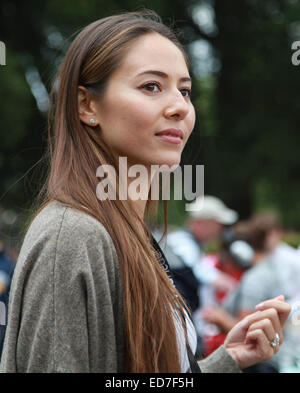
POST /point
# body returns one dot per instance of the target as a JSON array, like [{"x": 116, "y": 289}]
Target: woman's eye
[
  {"x": 152, "y": 87},
  {"x": 186, "y": 92}
]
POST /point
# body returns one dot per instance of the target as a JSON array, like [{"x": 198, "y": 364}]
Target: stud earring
[{"x": 92, "y": 121}]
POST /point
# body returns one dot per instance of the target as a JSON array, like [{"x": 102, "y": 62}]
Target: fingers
[
  {"x": 283, "y": 309},
  {"x": 271, "y": 315},
  {"x": 250, "y": 340},
  {"x": 281, "y": 298},
  {"x": 266, "y": 326},
  {"x": 258, "y": 339}
]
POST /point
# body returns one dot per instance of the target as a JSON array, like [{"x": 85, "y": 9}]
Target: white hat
[{"x": 212, "y": 208}]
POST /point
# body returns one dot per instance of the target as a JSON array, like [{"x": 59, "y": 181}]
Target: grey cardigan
[{"x": 65, "y": 307}]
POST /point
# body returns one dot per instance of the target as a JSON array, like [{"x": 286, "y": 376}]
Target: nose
[{"x": 177, "y": 107}]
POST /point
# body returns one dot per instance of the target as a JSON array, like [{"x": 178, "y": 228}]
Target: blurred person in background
[
  {"x": 234, "y": 258},
  {"x": 185, "y": 248},
  {"x": 6, "y": 272},
  {"x": 275, "y": 270}
]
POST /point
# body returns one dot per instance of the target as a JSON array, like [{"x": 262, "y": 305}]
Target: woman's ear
[{"x": 86, "y": 109}]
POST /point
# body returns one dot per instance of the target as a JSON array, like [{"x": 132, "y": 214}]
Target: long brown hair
[{"x": 76, "y": 151}]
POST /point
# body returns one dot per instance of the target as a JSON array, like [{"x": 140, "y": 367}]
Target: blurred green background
[{"x": 245, "y": 91}]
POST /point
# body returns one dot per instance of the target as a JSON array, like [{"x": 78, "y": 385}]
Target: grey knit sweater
[{"x": 65, "y": 307}]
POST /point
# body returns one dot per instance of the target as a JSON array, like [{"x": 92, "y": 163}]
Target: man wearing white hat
[
  {"x": 208, "y": 215},
  {"x": 212, "y": 208}
]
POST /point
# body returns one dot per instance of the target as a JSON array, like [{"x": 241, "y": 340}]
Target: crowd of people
[{"x": 250, "y": 264}]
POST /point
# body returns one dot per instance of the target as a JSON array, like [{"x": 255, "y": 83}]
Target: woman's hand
[{"x": 248, "y": 342}]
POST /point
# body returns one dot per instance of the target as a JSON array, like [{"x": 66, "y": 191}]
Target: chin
[{"x": 172, "y": 162}]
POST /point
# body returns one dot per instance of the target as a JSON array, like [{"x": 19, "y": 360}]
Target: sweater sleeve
[
  {"x": 219, "y": 361},
  {"x": 64, "y": 312}
]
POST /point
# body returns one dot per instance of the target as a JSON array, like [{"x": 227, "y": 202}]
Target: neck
[
  {"x": 138, "y": 181},
  {"x": 135, "y": 181},
  {"x": 139, "y": 207}
]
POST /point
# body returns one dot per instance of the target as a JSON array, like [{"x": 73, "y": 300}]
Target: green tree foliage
[
  {"x": 258, "y": 110},
  {"x": 247, "y": 104}
]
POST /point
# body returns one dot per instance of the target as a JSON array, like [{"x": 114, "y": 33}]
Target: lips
[
  {"x": 173, "y": 132},
  {"x": 171, "y": 136}
]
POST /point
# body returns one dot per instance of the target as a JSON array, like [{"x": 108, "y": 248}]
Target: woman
[{"x": 89, "y": 293}]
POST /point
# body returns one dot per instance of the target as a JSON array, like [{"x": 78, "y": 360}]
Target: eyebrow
[{"x": 164, "y": 75}]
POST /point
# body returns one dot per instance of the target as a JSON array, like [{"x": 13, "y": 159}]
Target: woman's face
[{"x": 147, "y": 94}]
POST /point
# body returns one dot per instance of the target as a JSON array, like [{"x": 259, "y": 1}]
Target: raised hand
[{"x": 250, "y": 340}]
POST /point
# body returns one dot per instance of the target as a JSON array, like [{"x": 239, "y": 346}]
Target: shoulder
[
  {"x": 182, "y": 239},
  {"x": 256, "y": 285},
  {"x": 59, "y": 221},
  {"x": 180, "y": 234},
  {"x": 258, "y": 273},
  {"x": 66, "y": 293},
  {"x": 57, "y": 217},
  {"x": 67, "y": 238},
  {"x": 250, "y": 285}
]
